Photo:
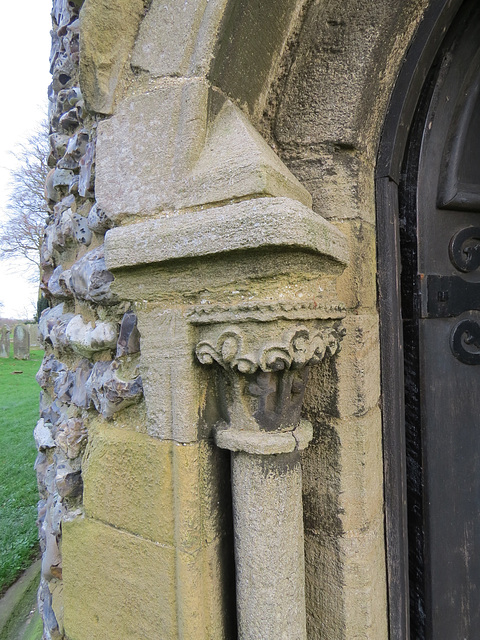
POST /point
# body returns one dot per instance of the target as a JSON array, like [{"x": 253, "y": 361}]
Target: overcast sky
[{"x": 24, "y": 50}]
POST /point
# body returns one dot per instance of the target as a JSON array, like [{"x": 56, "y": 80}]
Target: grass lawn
[{"x": 19, "y": 396}]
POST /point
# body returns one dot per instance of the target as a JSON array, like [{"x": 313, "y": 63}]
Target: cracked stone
[
  {"x": 129, "y": 336},
  {"x": 80, "y": 397},
  {"x": 90, "y": 279},
  {"x": 109, "y": 393},
  {"x": 85, "y": 184},
  {"x": 52, "y": 326},
  {"x": 68, "y": 480},
  {"x": 98, "y": 220},
  {"x": 71, "y": 437},
  {"x": 43, "y": 436},
  {"x": 86, "y": 338}
]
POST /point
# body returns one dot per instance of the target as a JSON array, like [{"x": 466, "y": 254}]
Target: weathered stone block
[
  {"x": 364, "y": 587},
  {"x": 170, "y": 383},
  {"x": 107, "y": 34},
  {"x": 340, "y": 181},
  {"x": 358, "y": 366},
  {"x": 357, "y": 285},
  {"x": 261, "y": 223},
  {"x": 137, "y": 146},
  {"x": 245, "y": 21},
  {"x": 124, "y": 587},
  {"x": 128, "y": 482},
  {"x": 236, "y": 162},
  {"x": 167, "y": 37},
  {"x": 361, "y": 483},
  {"x": 182, "y": 162}
]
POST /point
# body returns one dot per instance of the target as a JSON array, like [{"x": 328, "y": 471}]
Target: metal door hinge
[{"x": 447, "y": 296}]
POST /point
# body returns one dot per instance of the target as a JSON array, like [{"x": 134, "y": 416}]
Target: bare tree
[{"x": 22, "y": 231}]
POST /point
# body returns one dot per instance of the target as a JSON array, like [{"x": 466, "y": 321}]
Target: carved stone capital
[
  {"x": 247, "y": 349},
  {"x": 265, "y": 371}
]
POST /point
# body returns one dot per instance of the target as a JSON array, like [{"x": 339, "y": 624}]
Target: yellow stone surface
[
  {"x": 117, "y": 586},
  {"x": 128, "y": 482}
]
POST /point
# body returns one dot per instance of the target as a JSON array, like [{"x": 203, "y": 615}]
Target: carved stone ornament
[
  {"x": 299, "y": 346},
  {"x": 264, "y": 380}
]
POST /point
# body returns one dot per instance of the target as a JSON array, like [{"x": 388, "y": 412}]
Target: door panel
[{"x": 441, "y": 196}]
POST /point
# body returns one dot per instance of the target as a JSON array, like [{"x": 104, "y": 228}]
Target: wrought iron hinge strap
[{"x": 447, "y": 296}]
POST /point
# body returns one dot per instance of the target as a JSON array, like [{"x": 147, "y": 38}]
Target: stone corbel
[{"x": 265, "y": 370}]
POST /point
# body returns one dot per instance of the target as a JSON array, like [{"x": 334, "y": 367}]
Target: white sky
[{"x": 24, "y": 50}]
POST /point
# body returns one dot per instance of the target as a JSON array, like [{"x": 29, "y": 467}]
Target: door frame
[{"x": 392, "y": 148}]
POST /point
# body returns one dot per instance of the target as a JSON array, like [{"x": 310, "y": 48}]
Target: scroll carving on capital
[
  {"x": 298, "y": 347},
  {"x": 264, "y": 375}
]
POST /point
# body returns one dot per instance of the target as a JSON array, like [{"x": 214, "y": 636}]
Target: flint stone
[
  {"x": 52, "y": 326},
  {"x": 75, "y": 95},
  {"x": 98, "y": 220},
  {"x": 110, "y": 394},
  {"x": 41, "y": 513},
  {"x": 43, "y": 436},
  {"x": 51, "y": 629},
  {"x": 46, "y": 374},
  {"x": 55, "y": 237},
  {"x": 59, "y": 283},
  {"x": 72, "y": 437},
  {"x": 85, "y": 184},
  {"x": 51, "y": 193},
  {"x": 63, "y": 386},
  {"x": 57, "y": 512},
  {"x": 40, "y": 467},
  {"x": 63, "y": 12},
  {"x": 74, "y": 186},
  {"x": 72, "y": 117},
  {"x": 65, "y": 203},
  {"x": 62, "y": 177},
  {"x": 54, "y": 414},
  {"x": 68, "y": 480},
  {"x": 58, "y": 144},
  {"x": 5, "y": 342},
  {"x": 90, "y": 279},
  {"x": 63, "y": 72},
  {"x": 70, "y": 226},
  {"x": 129, "y": 336},
  {"x": 80, "y": 397},
  {"x": 61, "y": 104},
  {"x": 74, "y": 151},
  {"x": 50, "y": 473},
  {"x": 21, "y": 343},
  {"x": 84, "y": 338},
  {"x": 52, "y": 559}
]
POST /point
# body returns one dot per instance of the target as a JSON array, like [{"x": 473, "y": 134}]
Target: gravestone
[
  {"x": 5, "y": 342},
  {"x": 21, "y": 343},
  {"x": 34, "y": 335}
]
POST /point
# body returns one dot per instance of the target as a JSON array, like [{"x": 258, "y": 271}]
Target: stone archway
[
  {"x": 235, "y": 160},
  {"x": 411, "y": 531}
]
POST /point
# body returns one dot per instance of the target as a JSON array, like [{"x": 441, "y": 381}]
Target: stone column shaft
[{"x": 269, "y": 554}]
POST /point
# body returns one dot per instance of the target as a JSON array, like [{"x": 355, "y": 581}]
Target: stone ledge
[{"x": 260, "y": 223}]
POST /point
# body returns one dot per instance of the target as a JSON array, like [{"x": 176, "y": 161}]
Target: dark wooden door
[{"x": 440, "y": 238}]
